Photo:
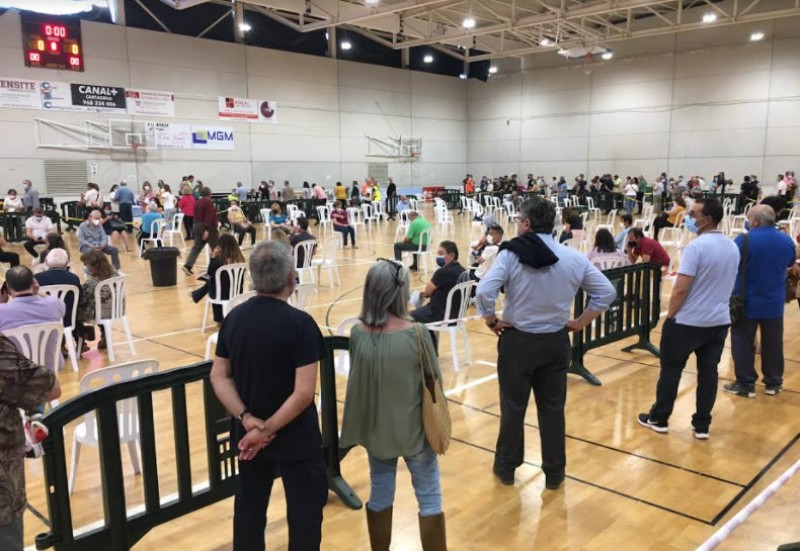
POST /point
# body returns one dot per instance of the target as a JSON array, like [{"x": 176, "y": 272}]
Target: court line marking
[{"x": 471, "y": 384}]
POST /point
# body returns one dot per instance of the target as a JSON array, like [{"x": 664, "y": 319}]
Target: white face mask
[
  {"x": 96, "y": 222},
  {"x": 489, "y": 239}
]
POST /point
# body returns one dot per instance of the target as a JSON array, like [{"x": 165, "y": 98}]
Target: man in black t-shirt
[
  {"x": 265, "y": 374},
  {"x": 437, "y": 289}
]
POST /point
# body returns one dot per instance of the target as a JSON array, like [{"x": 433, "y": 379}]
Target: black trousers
[
  {"x": 126, "y": 215},
  {"x": 658, "y": 223},
  {"x": 423, "y": 314},
  {"x": 743, "y": 336},
  {"x": 188, "y": 225},
  {"x": 401, "y": 247},
  {"x": 678, "y": 342},
  {"x": 240, "y": 231},
  {"x": 306, "y": 487},
  {"x": 9, "y": 258},
  {"x": 30, "y": 244},
  {"x": 527, "y": 361}
]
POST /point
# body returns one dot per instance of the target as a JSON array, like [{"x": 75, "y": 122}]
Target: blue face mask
[
  {"x": 747, "y": 225},
  {"x": 440, "y": 261},
  {"x": 691, "y": 225}
]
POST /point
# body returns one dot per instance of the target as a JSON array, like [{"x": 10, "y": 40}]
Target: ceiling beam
[{"x": 371, "y": 13}]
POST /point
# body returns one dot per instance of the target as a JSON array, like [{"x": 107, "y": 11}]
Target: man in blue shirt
[
  {"x": 126, "y": 199},
  {"x": 769, "y": 253},
  {"x": 621, "y": 239},
  {"x": 698, "y": 318},
  {"x": 91, "y": 235},
  {"x": 241, "y": 192},
  {"x": 541, "y": 279},
  {"x": 149, "y": 223}
]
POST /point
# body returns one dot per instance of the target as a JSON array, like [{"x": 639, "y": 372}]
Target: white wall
[
  {"x": 692, "y": 103},
  {"x": 326, "y": 107}
]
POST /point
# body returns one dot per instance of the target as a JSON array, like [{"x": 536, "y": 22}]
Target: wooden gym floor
[{"x": 627, "y": 487}]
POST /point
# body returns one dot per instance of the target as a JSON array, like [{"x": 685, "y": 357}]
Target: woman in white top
[
  {"x": 112, "y": 197},
  {"x": 13, "y": 202},
  {"x": 168, "y": 203},
  {"x": 605, "y": 254},
  {"x": 631, "y": 189},
  {"x": 91, "y": 197}
]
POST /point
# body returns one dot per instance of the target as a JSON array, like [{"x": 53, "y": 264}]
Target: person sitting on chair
[
  {"x": 36, "y": 229},
  {"x": 226, "y": 252},
  {"x": 91, "y": 236},
  {"x": 240, "y": 224},
  {"x": 605, "y": 250},
  {"x": 573, "y": 227},
  {"x": 97, "y": 270},
  {"x": 149, "y": 223},
  {"x": 484, "y": 260},
  {"x": 277, "y": 220},
  {"x": 299, "y": 234},
  {"x": 417, "y": 225},
  {"x": 669, "y": 218},
  {"x": 437, "y": 289},
  {"x": 402, "y": 204}
]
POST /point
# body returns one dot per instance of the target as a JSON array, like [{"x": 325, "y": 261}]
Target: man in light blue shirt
[
  {"x": 540, "y": 278},
  {"x": 241, "y": 192},
  {"x": 91, "y": 235},
  {"x": 697, "y": 319},
  {"x": 621, "y": 239},
  {"x": 126, "y": 199}
]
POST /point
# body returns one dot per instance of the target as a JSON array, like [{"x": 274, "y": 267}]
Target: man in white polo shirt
[
  {"x": 697, "y": 319},
  {"x": 36, "y": 229}
]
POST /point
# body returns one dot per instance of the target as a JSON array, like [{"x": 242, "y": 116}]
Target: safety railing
[
  {"x": 123, "y": 526},
  {"x": 635, "y": 312}
]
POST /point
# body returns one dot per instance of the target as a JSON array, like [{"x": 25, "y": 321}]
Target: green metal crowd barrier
[
  {"x": 635, "y": 312},
  {"x": 122, "y": 525}
]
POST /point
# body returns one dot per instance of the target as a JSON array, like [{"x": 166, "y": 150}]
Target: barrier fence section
[
  {"x": 122, "y": 526},
  {"x": 635, "y": 312}
]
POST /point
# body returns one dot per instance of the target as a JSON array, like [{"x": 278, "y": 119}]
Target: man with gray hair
[
  {"x": 265, "y": 374},
  {"x": 534, "y": 350},
  {"x": 766, "y": 255},
  {"x": 30, "y": 199},
  {"x": 91, "y": 235},
  {"x": 57, "y": 273}
]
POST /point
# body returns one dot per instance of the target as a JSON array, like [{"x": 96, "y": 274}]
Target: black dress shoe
[
  {"x": 505, "y": 477},
  {"x": 553, "y": 482}
]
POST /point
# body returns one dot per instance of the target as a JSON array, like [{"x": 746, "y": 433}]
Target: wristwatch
[{"x": 244, "y": 412}]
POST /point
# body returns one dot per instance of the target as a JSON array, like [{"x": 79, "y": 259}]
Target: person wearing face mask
[
  {"x": 770, "y": 252},
  {"x": 146, "y": 196},
  {"x": 484, "y": 261},
  {"x": 36, "y": 229},
  {"x": 12, "y": 202},
  {"x": 240, "y": 224},
  {"x": 697, "y": 320},
  {"x": 30, "y": 199},
  {"x": 437, "y": 289},
  {"x": 646, "y": 248},
  {"x": 278, "y": 220},
  {"x": 92, "y": 236}
]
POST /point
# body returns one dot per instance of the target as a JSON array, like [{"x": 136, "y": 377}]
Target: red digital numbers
[
  {"x": 55, "y": 30},
  {"x": 35, "y": 57},
  {"x": 74, "y": 61}
]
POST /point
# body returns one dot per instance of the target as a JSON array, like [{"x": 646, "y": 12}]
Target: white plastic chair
[
  {"x": 444, "y": 223},
  {"x": 232, "y": 303},
  {"x": 32, "y": 340},
  {"x": 369, "y": 213},
  {"x": 127, "y": 413},
  {"x": 610, "y": 223},
  {"x": 301, "y": 297},
  {"x": 328, "y": 260},
  {"x": 603, "y": 264},
  {"x": 235, "y": 274},
  {"x": 325, "y": 221},
  {"x": 413, "y": 204},
  {"x": 355, "y": 215},
  {"x": 175, "y": 228},
  {"x": 266, "y": 230},
  {"x": 402, "y": 219},
  {"x": 464, "y": 291},
  {"x": 423, "y": 251},
  {"x": 293, "y": 213},
  {"x": 116, "y": 288},
  {"x": 342, "y": 360},
  {"x": 307, "y": 247},
  {"x": 155, "y": 237},
  {"x": 377, "y": 211},
  {"x": 61, "y": 292}
]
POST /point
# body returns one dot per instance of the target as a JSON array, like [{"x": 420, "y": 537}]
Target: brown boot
[
  {"x": 380, "y": 529},
  {"x": 432, "y": 533}
]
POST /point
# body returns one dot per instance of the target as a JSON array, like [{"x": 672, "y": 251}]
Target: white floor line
[
  {"x": 471, "y": 384},
  {"x": 483, "y": 362}
]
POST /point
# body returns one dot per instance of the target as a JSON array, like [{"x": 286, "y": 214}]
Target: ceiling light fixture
[
  {"x": 345, "y": 45},
  {"x": 492, "y": 69},
  {"x": 709, "y": 18},
  {"x": 756, "y": 36},
  {"x": 244, "y": 27},
  {"x": 545, "y": 42},
  {"x": 468, "y": 23},
  {"x": 463, "y": 76},
  {"x": 608, "y": 54},
  {"x": 372, "y": 2},
  {"x": 428, "y": 58}
]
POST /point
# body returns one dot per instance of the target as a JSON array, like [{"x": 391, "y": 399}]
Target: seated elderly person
[
  {"x": 413, "y": 238},
  {"x": 240, "y": 224},
  {"x": 402, "y": 204},
  {"x": 484, "y": 260},
  {"x": 57, "y": 273},
  {"x": 437, "y": 289},
  {"x": 97, "y": 270},
  {"x": 150, "y": 221},
  {"x": 23, "y": 306},
  {"x": 36, "y": 229},
  {"x": 476, "y": 247},
  {"x": 92, "y": 237},
  {"x": 299, "y": 234}
]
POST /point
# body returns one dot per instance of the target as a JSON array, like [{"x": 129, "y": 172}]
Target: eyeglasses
[{"x": 399, "y": 280}]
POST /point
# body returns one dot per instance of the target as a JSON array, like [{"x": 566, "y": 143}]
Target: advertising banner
[
  {"x": 212, "y": 137},
  {"x": 57, "y": 96},
  {"x": 173, "y": 136},
  {"x": 150, "y": 102},
  {"x": 16, "y": 93},
  {"x": 109, "y": 99},
  {"x": 249, "y": 110}
]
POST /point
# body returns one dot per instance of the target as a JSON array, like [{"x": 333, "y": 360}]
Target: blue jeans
[
  {"x": 629, "y": 204},
  {"x": 345, "y": 231},
  {"x": 424, "y": 469}
]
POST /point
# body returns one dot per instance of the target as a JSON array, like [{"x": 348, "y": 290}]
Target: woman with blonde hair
[
  {"x": 383, "y": 410},
  {"x": 226, "y": 252},
  {"x": 98, "y": 269}
]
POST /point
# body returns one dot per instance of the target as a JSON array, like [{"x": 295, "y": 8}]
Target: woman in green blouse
[{"x": 383, "y": 409}]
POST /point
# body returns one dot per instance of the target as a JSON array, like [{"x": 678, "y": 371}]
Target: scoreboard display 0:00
[{"x": 52, "y": 42}]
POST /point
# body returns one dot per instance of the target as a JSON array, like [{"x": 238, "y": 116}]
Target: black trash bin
[{"x": 163, "y": 265}]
